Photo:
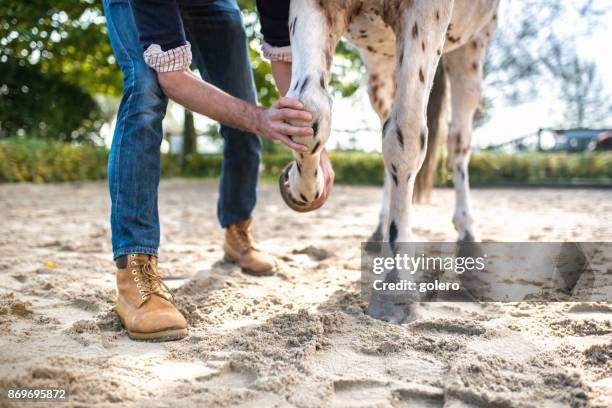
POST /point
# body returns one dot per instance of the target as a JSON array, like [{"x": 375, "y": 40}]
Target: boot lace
[
  {"x": 150, "y": 283},
  {"x": 244, "y": 237}
]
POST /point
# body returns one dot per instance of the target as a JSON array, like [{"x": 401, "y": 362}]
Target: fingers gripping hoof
[{"x": 297, "y": 204}]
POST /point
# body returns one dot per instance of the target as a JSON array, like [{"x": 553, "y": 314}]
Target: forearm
[
  {"x": 281, "y": 71},
  {"x": 198, "y": 96}
]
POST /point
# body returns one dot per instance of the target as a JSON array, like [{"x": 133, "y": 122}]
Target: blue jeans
[{"x": 219, "y": 46}]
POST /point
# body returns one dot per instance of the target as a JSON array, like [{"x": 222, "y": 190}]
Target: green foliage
[
  {"x": 63, "y": 37},
  {"x": 54, "y": 56},
  {"x": 45, "y": 106},
  {"x": 348, "y": 72},
  {"x": 534, "y": 168},
  {"x": 48, "y": 161}
]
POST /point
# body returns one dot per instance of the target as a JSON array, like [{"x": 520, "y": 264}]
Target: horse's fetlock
[{"x": 317, "y": 101}]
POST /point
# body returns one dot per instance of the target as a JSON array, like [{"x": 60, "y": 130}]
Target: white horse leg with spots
[
  {"x": 312, "y": 45},
  {"x": 419, "y": 44},
  {"x": 383, "y": 214},
  {"x": 464, "y": 66},
  {"x": 381, "y": 90},
  {"x": 420, "y": 37}
]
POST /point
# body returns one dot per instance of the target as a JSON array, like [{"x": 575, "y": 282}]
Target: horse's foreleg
[
  {"x": 464, "y": 67},
  {"x": 419, "y": 44},
  {"x": 313, "y": 40},
  {"x": 383, "y": 214},
  {"x": 420, "y": 37}
]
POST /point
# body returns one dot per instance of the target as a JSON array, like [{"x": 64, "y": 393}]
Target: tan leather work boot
[
  {"x": 145, "y": 305},
  {"x": 239, "y": 247}
]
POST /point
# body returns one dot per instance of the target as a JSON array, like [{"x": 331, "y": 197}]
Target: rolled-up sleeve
[
  {"x": 274, "y": 19},
  {"x": 161, "y": 34}
]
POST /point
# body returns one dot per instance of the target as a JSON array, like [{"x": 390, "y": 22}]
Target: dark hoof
[
  {"x": 473, "y": 280},
  {"x": 469, "y": 249},
  {"x": 571, "y": 264},
  {"x": 374, "y": 243},
  {"x": 377, "y": 235},
  {"x": 283, "y": 185},
  {"x": 468, "y": 238},
  {"x": 392, "y": 312}
]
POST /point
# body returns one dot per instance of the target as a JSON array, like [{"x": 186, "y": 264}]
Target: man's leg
[
  {"x": 220, "y": 50},
  {"x": 133, "y": 176},
  {"x": 134, "y": 163},
  {"x": 219, "y": 46}
]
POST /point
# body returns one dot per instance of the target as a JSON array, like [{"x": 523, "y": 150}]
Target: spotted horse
[{"x": 403, "y": 44}]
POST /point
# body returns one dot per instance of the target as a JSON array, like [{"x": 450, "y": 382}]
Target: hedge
[{"x": 42, "y": 161}]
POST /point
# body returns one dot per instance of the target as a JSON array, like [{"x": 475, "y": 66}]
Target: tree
[
  {"x": 54, "y": 57},
  {"x": 533, "y": 47},
  {"x": 64, "y": 37},
  {"x": 580, "y": 89},
  {"x": 44, "y": 105}
]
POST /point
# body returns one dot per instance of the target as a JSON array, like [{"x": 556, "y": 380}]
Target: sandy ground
[{"x": 299, "y": 338}]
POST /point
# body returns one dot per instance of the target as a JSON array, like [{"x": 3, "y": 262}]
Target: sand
[{"x": 298, "y": 339}]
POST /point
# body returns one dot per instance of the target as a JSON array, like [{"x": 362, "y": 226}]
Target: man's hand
[
  {"x": 271, "y": 122},
  {"x": 196, "y": 95}
]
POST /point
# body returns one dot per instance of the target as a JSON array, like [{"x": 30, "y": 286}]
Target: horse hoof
[
  {"x": 393, "y": 312},
  {"x": 474, "y": 281},
  {"x": 283, "y": 185},
  {"x": 571, "y": 263},
  {"x": 377, "y": 235},
  {"x": 374, "y": 243}
]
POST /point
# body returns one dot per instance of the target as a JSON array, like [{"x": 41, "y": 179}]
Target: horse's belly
[
  {"x": 369, "y": 32},
  {"x": 469, "y": 17}
]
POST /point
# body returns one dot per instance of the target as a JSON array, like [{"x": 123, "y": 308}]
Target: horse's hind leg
[
  {"x": 381, "y": 89},
  {"x": 420, "y": 33},
  {"x": 464, "y": 67}
]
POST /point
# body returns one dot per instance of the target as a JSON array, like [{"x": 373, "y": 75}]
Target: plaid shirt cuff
[
  {"x": 175, "y": 59},
  {"x": 276, "y": 53}
]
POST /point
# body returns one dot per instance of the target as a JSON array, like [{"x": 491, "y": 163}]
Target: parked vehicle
[
  {"x": 604, "y": 141},
  {"x": 559, "y": 140}
]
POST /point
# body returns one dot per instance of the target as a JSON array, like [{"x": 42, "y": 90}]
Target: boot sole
[
  {"x": 160, "y": 336},
  {"x": 268, "y": 272}
]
